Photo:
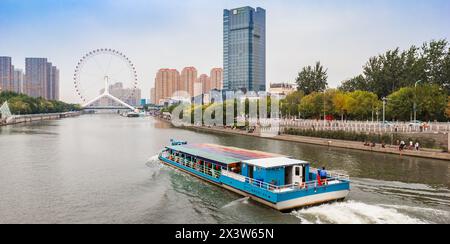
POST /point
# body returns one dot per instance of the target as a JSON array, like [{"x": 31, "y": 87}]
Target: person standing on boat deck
[
  {"x": 319, "y": 182},
  {"x": 323, "y": 175}
]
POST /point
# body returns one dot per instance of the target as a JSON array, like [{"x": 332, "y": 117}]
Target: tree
[
  {"x": 447, "y": 110},
  {"x": 23, "y": 104},
  {"x": 362, "y": 105},
  {"x": 394, "y": 69},
  {"x": 383, "y": 73},
  {"x": 290, "y": 105},
  {"x": 312, "y": 106},
  {"x": 436, "y": 54},
  {"x": 341, "y": 102},
  {"x": 431, "y": 102},
  {"x": 311, "y": 79},
  {"x": 354, "y": 84}
]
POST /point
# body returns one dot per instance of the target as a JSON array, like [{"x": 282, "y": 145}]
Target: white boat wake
[
  {"x": 352, "y": 212},
  {"x": 235, "y": 202},
  {"x": 153, "y": 159}
]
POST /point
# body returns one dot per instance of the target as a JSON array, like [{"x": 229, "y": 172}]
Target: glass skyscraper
[{"x": 244, "y": 49}]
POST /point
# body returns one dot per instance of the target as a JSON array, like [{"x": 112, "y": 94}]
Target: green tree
[
  {"x": 383, "y": 73},
  {"x": 436, "y": 55},
  {"x": 341, "y": 101},
  {"x": 312, "y": 105},
  {"x": 431, "y": 102},
  {"x": 388, "y": 72},
  {"x": 311, "y": 79},
  {"x": 290, "y": 105},
  {"x": 362, "y": 105},
  {"x": 357, "y": 83},
  {"x": 23, "y": 104},
  {"x": 447, "y": 110}
]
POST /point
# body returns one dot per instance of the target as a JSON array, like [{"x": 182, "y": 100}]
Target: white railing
[
  {"x": 235, "y": 176},
  {"x": 367, "y": 126},
  {"x": 197, "y": 167},
  {"x": 333, "y": 174},
  {"x": 333, "y": 177}
]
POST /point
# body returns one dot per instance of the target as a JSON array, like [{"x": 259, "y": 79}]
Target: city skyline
[
  {"x": 342, "y": 35},
  {"x": 40, "y": 79}
]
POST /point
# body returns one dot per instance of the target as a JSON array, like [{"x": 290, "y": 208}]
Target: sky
[{"x": 342, "y": 34}]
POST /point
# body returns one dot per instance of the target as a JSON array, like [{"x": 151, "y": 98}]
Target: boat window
[{"x": 297, "y": 171}]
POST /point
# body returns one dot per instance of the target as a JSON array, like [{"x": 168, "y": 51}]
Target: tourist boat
[
  {"x": 131, "y": 115},
  {"x": 275, "y": 180}
]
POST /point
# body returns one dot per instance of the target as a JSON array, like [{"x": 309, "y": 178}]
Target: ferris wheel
[{"x": 105, "y": 73}]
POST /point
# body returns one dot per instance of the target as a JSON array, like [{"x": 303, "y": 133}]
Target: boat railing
[
  {"x": 284, "y": 188},
  {"x": 235, "y": 176},
  {"x": 197, "y": 167},
  {"x": 334, "y": 175}
]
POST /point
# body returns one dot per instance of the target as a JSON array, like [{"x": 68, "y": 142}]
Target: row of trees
[
  {"x": 388, "y": 72},
  {"x": 364, "y": 105},
  {"x": 417, "y": 78},
  {"x": 23, "y": 104}
]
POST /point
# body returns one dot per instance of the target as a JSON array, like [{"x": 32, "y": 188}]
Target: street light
[
  {"x": 384, "y": 110},
  {"x": 324, "y": 108},
  {"x": 415, "y": 98}
]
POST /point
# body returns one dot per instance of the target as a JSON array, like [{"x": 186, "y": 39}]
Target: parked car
[
  {"x": 386, "y": 124},
  {"x": 416, "y": 123}
]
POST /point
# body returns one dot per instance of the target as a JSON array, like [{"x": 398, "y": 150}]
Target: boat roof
[
  {"x": 276, "y": 162},
  {"x": 222, "y": 154}
]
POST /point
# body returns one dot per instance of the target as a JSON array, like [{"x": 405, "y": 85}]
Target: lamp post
[
  {"x": 324, "y": 108},
  {"x": 384, "y": 109},
  {"x": 415, "y": 98}
]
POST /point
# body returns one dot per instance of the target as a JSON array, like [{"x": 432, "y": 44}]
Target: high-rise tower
[{"x": 244, "y": 49}]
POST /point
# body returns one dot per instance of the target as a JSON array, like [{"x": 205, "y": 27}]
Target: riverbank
[
  {"x": 18, "y": 119},
  {"x": 423, "y": 153}
]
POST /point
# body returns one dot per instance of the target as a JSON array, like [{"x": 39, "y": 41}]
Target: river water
[{"x": 104, "y": 169}]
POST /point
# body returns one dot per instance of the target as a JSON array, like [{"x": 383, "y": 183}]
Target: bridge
[
  {"x": 106, "y": 94},
  {"x": 106, "y": 108}
]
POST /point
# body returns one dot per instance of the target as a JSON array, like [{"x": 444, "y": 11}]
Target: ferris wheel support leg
[
  {"x": 121, "y": 102},
  {"x": 93, "y": 100},
  {"x": 112, "y": 97}
]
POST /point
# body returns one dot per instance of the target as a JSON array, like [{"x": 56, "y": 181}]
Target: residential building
[
  {"x": 6, "y": 74},
  {"x": 216, "y": 78},
  {"x": 282, "y": 88},
  {"x": 188, "y": 79},
  {"x": 36, "y": 77},
  {"x": 18, "y": 77},
  {"x": 204, "y": 82},
  {"x": 166, "y": 84},
  {"x": 153, "y": 96}
]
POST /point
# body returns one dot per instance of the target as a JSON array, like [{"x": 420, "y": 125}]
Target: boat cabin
[{"x": 277, "y": 171}]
